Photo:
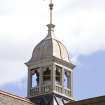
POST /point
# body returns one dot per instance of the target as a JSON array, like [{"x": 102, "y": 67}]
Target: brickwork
[{"x": 9, "y": 99}]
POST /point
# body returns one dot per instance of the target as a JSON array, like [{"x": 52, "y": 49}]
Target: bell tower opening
[
  {"x": 67, "y": 79},
  {"x": 58, "y": 75},
  {"x": 47, "y": 75},
  {"x": 51, "y": 80},
  {"x": 35, "y": 78}
]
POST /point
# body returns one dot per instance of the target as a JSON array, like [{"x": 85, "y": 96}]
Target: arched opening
[
  {"x": 47, "y": 75},
  {"x": 35, "y": 78},
  {"x": 58, "y": 75},
  {"x": 67, "y": 79}
]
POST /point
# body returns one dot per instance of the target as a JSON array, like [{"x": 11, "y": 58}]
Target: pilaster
[
  {"x": 71, "y": 83},
  {"x": 29, "y": 82},
  {"x": 62, "y": 80},
  {"x": 40, "y": 78},
  {"x": 53, "y": 76}
]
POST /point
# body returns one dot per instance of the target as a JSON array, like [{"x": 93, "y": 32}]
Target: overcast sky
[{"x": 80, "y": 25}]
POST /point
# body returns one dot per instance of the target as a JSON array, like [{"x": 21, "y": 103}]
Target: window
[{"x": 47, "y": 75}]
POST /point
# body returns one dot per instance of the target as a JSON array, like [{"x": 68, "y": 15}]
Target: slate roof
[
  {"x": 15, "y": 97},
  {"x": 95, "y": 100}
]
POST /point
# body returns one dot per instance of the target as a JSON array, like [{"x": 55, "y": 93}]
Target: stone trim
[{"x": 50, "y": 60}]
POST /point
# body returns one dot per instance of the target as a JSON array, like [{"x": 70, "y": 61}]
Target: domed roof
[{"x": 49, "y": 47}]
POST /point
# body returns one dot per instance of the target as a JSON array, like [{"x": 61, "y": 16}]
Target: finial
[
  {"x": 51, "y": 8},
  {"x": 50, "y": 25}
]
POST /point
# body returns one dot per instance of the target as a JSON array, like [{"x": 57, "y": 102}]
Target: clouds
[
  {"x": 7, "y": 7},
  {"x": 80, "y": 24},
  {"x": 11, "y": 71},
  {"x": 85, "y": 27},
  {"x": 18, "y": 23}
]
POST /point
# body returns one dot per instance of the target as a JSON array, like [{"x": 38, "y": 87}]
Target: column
[
  {"x": 40, "y": 79},
  {"x": 62, "y": 80},
  {"x": 53, "y": 76},
  {"x": 71, "y": 84},
  {"x": 29, "y": 83},
  {"x": 69, "y": 80}
]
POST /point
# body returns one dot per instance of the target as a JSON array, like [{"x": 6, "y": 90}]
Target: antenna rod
[{"x": 51, "y": 8}]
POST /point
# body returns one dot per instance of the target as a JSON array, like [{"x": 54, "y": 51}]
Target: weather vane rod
[{"x": 51, "y": 8}]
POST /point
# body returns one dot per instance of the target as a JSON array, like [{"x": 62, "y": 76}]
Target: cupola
[{"x": 50, "y": 71}]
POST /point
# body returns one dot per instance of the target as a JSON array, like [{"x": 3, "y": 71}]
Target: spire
[{"x": 50, "y": 25}]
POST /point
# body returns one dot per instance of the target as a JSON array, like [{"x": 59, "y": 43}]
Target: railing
[
  {"x": 40, "y": 90},
  {"x": 48, "y": 88},
  {"x": 60, "y": 89},
  {"x": 34, "y": 91},
  {"x": 67, "y": 92}
]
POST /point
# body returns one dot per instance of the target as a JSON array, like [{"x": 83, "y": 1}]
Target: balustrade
[
  {"x": 47, "y": 88},
  {"x": 40, "y": 90},
  {"x": 67, "y": 92},
  {"x": 62, "y": 90},
  {"x": 58, "y": 89}
]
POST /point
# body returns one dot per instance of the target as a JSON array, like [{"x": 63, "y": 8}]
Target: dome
[{"x": 49, "y": 47}]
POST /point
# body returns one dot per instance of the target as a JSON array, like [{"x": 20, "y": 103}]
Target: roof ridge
[
  {"x": 15, "y": 96},
  {"x": 88, "y": 100}
]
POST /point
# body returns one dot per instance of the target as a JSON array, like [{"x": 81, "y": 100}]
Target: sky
[{"x": 80, "y": 25}]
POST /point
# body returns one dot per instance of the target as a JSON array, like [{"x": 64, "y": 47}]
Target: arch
[
  {"x": 67, "y": 79},
  {"x": 58, "y": 74},
  {"x": 47, "y": 75},
  {"x": 35, "y": 78}
]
